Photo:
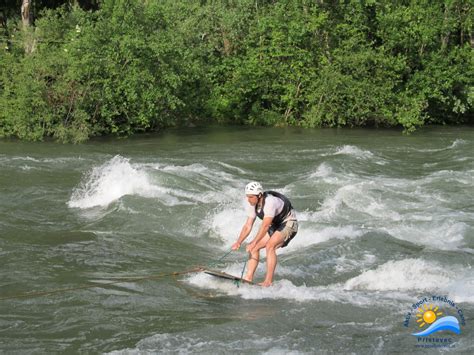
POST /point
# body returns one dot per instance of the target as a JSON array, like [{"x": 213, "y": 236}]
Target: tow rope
[{"x": 118, "y": 281}]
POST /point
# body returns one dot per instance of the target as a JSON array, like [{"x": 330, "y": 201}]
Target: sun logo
[{"x": 427, "y": 314}]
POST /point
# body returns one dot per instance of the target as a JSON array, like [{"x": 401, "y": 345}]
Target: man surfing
[{"x": 279, "y": 226}]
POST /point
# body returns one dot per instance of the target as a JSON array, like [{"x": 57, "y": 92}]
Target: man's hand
[
  {"x": 246, "y": 229},
  {"x": 250, "y": 247}
]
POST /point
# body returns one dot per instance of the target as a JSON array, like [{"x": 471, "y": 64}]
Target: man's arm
[
  {"x": 244, "y": 233},
  {"x": 266, "y": 223}
]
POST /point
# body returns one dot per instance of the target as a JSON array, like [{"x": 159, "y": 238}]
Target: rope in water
[
  {"x": 83, "y": 287},
  {"x": 121, "y": 280}
]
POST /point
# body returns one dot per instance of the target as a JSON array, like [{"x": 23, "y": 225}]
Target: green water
[{"x": 385, "y": 221}]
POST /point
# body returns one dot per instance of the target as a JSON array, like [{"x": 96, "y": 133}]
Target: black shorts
[{"x": 288, "y": 229}]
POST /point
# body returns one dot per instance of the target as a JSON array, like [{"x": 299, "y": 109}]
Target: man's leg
[
  {"x": 254, "y": 258},
  {"x": 273, "y": 244}
]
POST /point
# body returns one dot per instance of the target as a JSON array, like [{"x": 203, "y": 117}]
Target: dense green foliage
[{"x": 133, "y": 66}]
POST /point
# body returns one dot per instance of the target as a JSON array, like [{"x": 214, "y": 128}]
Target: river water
[{"x": 386, "y": 221}]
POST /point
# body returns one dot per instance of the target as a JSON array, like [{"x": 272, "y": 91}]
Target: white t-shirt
[{"x": 273, "y": 206}]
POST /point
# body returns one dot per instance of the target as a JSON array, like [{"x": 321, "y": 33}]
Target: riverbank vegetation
[{"x": 78, "y": 69}]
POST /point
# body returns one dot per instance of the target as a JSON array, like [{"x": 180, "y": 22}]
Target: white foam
[
  {"x": 428, "y": 233},
  {"x": 27, "y": 158},
  {"x": 393, "y": 280},
  {"x": 456, "y": 144},
  {"x": 210, "y": 178},
  {"x": 205, "y": 340},
  {"x": 323, "y": 170},
  {"x": 360, "y": 154},
  {"x": 406, "y": 209},
  {"x": 359, "y": 197},
  {"x": 344, "y": 263},
  {"x": 231, "y": 167},
  {"x": 112, "y": 180},
  {"x": 202, "y": 184},
  {"x": 319, "y": 234},
  {"x": 408, "y": 274},
  {"x": 417, "y": 275},
  {"x": 286, "y": 290},
  {"x": 227, "y": 223},
  {"x": 59, "y": 160},
  {"x": 462, "y": 289},
  {"x": 354, "y": 152},
  {"x": 193, "y": 168},
  {"x": 26, "y": 167},
  {"x": 464, "y": 177}
]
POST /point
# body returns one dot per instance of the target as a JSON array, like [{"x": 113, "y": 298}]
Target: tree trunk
[
  {"x": 25, "y": 13},
  {"x": 445, "y": 37},
  {"x": 29, "y": 40}
]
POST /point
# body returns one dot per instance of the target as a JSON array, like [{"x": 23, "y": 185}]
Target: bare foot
[{"x": 265, "y": 284}]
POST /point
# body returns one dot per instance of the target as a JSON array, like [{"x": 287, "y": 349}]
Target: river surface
[{"x": 386, "y": 222}]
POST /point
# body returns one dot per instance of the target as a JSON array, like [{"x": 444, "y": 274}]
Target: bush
[{"x": 135, "y": 66}]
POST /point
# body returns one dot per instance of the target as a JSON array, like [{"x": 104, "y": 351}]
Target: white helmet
[{"x": 253, "y": 188}]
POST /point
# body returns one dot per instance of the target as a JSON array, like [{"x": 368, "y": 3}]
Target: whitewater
[{"x": 385, "y": 220}]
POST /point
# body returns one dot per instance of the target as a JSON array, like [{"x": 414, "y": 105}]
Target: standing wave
[{"x": 109, "y": 182}]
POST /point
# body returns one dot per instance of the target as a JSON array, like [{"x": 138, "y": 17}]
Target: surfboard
[{"x": 226, "y": 276}]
